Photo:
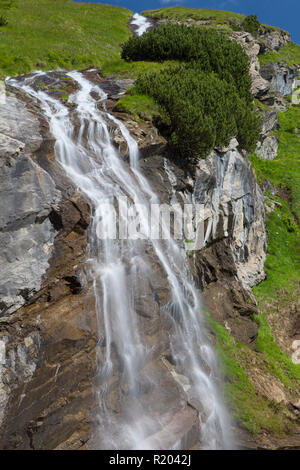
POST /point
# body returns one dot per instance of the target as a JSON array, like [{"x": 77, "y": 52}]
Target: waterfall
[
  {"x": 141, "y": 393},
  {"x": 141, "y": 23}
]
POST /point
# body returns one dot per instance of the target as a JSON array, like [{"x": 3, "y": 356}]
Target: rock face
[
  {"x": 46, "y": 346},
  {"x": 280, "y": 77},
  {"x": 267, "y": 146},
  {"x": 236, "y": 203},
  {"x": 273, "y": 39},
  {"x": 270, "y": 82},
  {"x": 27, "y": 196},
  {"x": 234, "y": 255},
  {"x": 252, "y": 48},
  {"x": 47, "y": 323}
]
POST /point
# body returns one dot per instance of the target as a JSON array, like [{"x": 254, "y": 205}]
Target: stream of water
[{"x": 144, "y": 412}]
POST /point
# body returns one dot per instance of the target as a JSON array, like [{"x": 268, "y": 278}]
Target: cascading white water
[
  {"x": 120, "y": 271},
  {"x": 141, "y": 23}
]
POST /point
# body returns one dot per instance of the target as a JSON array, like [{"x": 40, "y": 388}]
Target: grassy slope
[
  {"x": 216, "y": 17},
  {"x": 282, "y": 267},
  {"x": 48, "y": 34},
  {"x": 290, "y": 53},
  {"x": 251, "y": 409}
]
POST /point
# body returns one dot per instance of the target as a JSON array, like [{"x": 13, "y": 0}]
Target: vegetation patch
[
  {"x": 251, "y": 25},
  {"x": 3, "y": 20},
  {"x": 47, "y": 34},
  {"x": 205, "y": 100},
  {"x": 179, "y": 13},
  {"x": 283, "y": 173},
  {"x": 141, "y": 106},
  {"x": 119, "y": 68},
  {"x": 254, "y": 411},
  {"x": 279, "y": 364},
  {"x": 289, "y": 53}
]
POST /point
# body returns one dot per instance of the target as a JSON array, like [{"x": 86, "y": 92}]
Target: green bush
[
  {"x": 7, "y": 4},
  {"x": 212, "y": 51},
  {"x": 3, "y": 20},
  {"x": 206, "y": 99},
  {"x": 251, "y": 24},
  {"x": 200, "y": 110}
]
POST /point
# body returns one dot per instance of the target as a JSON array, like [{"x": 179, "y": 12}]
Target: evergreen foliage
[
  {"x": 251, "y": 24},
  {"x": 3, "y": 20},
  {"x": 205, "y": 100},
  {"x": 212, "y": 51},
  {"x": 200, "y": 110}
]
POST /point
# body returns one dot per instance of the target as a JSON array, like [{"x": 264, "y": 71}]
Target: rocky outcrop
[
  {"x": 273, "y": 39},
  {"x": 280, "y": 77},
  {"x": 267, "y": 148},
  {"x": 28, "y": 194},
  {"x": 235, "y": 250},
  {"x": 252, "y": 48},
  {"x": 267, "y": 145},
  {"x": 237, "y": 210},
  {"x": 47, "y": 329}
]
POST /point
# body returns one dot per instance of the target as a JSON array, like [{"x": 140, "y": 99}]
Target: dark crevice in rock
[
  {"x": 74, "y": 284},
  {"x": 56, "y": 220}
]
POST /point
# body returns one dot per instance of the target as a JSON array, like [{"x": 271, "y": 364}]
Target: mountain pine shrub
[
  {"x": 251, "y": 25},
  {"x": 206, "y": 99},
  {"x": 200, "y": 111},
  {"x": 211, "y": 49},
  {"x": 3, "y": 20}
]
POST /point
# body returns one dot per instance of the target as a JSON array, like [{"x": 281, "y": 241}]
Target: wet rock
[
  {"x": 27, "y": 193},
  {"x": 149, "y": 140},
  {"x": 46, "y": 347}
]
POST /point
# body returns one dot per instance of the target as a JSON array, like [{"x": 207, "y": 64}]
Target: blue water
[{"x": 274, "y": 12}]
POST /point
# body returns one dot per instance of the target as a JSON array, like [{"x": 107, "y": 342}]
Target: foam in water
[
  {"x": 120, "y": 272},
  {"x": 141, "y": 22}
]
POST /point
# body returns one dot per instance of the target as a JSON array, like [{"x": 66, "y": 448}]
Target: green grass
[
  {"x": 279, "y": 364},
  {"x": 255, "y": 412},
  {"x": 48, "y": 34},
  {"x": 122, "y": 69},
  {"x": 290, "y": 53},
  {"x": 216, "y": 17},
  {"x": 282, "y": 267},
  {"x": 141, "y": 106},
  {"x": 283, "y": 261}
]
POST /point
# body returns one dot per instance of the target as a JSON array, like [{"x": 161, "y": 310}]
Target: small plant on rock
[
  {"x": 3, "y": 20},
  {"x": 251, "y": 24}
]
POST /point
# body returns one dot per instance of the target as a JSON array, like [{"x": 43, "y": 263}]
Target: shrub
[
  {"x": 212, "y": 51},
  {"x": 3, "y": 20},
  {"x": 251, "y": 24},
  {"x": 206, "y": 99},
  {"x": 200, "y": 110}
]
